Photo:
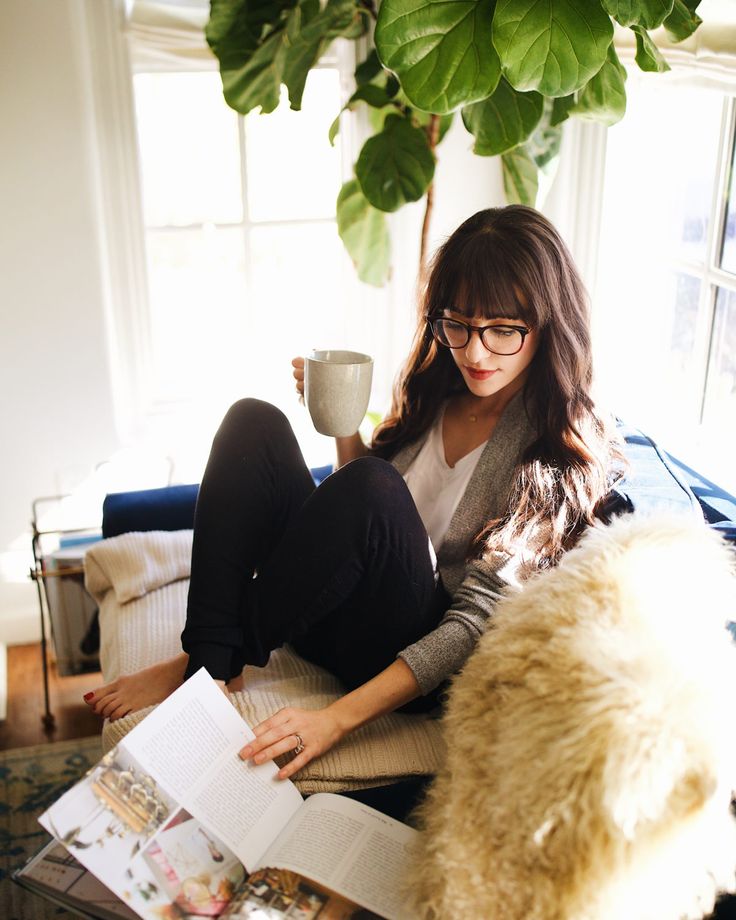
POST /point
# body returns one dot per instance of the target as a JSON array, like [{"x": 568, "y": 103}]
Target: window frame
[
  {"x": 697, "y": 444},
  {"x": 109, "y": 76},
  {"x": 710, "y": 274},
  {"x": 340, "y": 60}
]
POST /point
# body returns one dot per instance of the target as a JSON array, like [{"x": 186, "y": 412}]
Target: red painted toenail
[{"x": 88, "y": 696}]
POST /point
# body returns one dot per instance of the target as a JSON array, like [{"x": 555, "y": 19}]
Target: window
[
  {"x": 245, "y": 267},
  {"x": 665, "y": 299}
]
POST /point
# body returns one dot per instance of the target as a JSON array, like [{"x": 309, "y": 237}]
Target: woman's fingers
[
  {"x": 308, "y": 733},
  {"x": 298, "y": 372},
  {"x": 276, "y": 749},
  {"x": 293, "y": 766},
  {"x": 268, "y": 733}
]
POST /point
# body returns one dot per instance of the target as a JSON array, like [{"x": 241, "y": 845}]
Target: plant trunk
[{"x": 433, "y": 136}]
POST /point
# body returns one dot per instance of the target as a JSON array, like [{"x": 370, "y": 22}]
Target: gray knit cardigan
[{"x": 475, "y": 586}]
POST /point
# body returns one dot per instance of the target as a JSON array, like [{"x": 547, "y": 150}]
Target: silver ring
[{"x": 299, "y": 744}]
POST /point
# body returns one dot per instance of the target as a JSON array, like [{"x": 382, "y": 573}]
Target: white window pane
[
  {"x": 296, "y": 300},
  {"x": 648, "y": 352},
  {"x": 197, "y": 292},
  {"x": 728, "y": 260},
  {"x": 293, "y": 172},
  {"x": 660, "y": 173},
  {"x": 677, "y": 369},
  {"x": 683, "y": 324},
  {"x": 720, "y": 406},
  {"x": 711, "y": 449},
  {"x": 189, "y": 155}
]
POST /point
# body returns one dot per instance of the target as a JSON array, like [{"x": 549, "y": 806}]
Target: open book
[{"x": 172, "y": 824}]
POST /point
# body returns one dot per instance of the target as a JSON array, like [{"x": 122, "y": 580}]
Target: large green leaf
[
  {"x": 235, "y": 29},
  {"x": 561, "y": 106},
  {"x": 363, "y": 230},
  {"x": 603, "y": 98},
  {"x": 683, "y": 20},
  {"x": 648, "y": 56},
  {"x": 441, "y": 50},
  {"x": 307, "y": 40},
  {"x": 285, "y": 54},
  {"x": 395, "y": 166},
  {"x": 552, "y": 46},
  {"x": 520, "y": 178},
  {"x": 645, "y": 13},
  {"x": 367, "y": 69},
  {"x": 503, "y": 120}
]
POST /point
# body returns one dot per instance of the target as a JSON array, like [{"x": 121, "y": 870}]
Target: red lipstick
[{"x": 478, "y": 374}]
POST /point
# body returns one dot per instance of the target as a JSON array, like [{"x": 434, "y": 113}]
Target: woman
[{"x": 492, "y": 448}]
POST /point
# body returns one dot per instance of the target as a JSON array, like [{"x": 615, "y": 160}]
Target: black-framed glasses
[{"x": 501, "y": 339}]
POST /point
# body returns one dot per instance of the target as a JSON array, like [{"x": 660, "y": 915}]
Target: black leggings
[{"x": 343, "y": 571}]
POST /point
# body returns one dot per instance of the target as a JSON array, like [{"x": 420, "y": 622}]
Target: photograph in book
[
  {"x": 194, "y": 869},
  {"x": 271, "y": 894},
  {"x": 109, "y": 820},
  {"x": 112, "y": 813}
]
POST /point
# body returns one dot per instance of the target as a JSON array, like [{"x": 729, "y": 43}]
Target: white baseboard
[{"x": 3, "y": 682}]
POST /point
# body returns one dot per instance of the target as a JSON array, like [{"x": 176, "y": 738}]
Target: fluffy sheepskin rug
[{"x": 590, "y": 740}]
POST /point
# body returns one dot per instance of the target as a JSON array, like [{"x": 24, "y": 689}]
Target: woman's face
[{"x": 486, "y": 373}]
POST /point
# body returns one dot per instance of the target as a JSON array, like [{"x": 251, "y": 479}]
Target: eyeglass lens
[{"x": 501, "y": 340}]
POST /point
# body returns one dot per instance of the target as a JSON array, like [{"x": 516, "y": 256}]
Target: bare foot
[
  {"x": 231, "y": 686},
  {"x": 235, "y": 683},
  {"x": 131, "y": 692}
]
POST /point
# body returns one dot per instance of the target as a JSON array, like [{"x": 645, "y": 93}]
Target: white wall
[
  {"x": 55, "y": 391},
  {"x": 464, "y": 183}
]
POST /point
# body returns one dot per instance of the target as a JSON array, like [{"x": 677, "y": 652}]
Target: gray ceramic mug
[{"x": 337, "y": 387}]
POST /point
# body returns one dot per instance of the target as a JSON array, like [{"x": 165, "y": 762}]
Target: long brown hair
[{"x": 511, "y": 262}]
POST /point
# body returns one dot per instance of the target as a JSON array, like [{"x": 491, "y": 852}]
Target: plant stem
[
  {"x": 433, "y": 136},
  {"x": 371, "y": 7}
]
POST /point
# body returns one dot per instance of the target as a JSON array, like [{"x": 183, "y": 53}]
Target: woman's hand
[
  {"x": 316, "y": 729},
  {"x": 298, "y": 365},
  {"x": 320, "y": 729}
]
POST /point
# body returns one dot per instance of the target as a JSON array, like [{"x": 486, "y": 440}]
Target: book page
[
  {"x": 350, "y": 849},
  {"x": 179, "y": 741},
  {"x": 171, "y": 817},
  {"x": 191, "y": 747}
]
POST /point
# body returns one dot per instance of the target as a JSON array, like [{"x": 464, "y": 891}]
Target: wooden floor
[{"x": 24, "y": 725}]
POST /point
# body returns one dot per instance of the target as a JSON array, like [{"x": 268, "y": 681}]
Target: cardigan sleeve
[{"x": 442, "y": 652}]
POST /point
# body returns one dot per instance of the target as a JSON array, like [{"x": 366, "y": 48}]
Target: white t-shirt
[{"x": 436, "y": 487}]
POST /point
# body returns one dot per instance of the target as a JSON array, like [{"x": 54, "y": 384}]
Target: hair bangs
[{"x": 480, "y": 278}]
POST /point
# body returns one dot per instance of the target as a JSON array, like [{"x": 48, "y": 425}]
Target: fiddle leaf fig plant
[
  {"x": 552, "y": 46},
  {"x": 396, "y": 165},
  {"x": 450, "y": 60},
  {"x": 364, "y": 231},
  {"x": 515, "y": 70},
  {"x": 504, "y": 120}
]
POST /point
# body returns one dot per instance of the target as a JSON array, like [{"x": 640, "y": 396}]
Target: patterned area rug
[{"x": 31, "y": 778}]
